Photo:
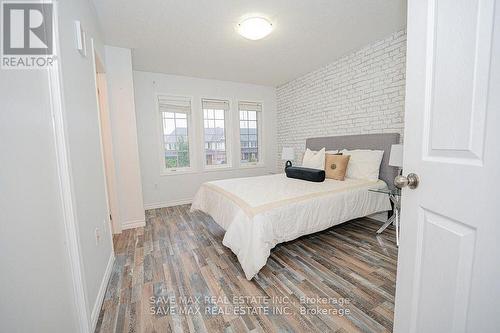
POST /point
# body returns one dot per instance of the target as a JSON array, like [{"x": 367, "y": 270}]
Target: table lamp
[
  {"x": 396, "y": 156},
  {"x": 288, "y": 154}
]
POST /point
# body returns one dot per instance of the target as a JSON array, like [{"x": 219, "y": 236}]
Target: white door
[
  {"x": 107, "y": 152},
  {"x": 449, "y": 259}
]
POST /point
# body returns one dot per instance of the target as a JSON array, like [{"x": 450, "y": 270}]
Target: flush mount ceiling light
[{"x": 255, "y": 28}]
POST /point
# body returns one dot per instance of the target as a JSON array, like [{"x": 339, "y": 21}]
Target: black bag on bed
[{"x": 312, "y": 175}]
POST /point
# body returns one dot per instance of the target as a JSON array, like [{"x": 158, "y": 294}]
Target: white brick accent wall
[{"x": 360, "y": 93}]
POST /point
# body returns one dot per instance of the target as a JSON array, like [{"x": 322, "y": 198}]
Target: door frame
[
  {"x": 67, "y": 195},
  {"x": 108, "y": 162}
]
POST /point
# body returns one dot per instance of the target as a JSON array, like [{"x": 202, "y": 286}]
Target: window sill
[
  {"x": 211, "y": 169},
  {"x": 217, "y": 168},
  {"x": 252, "y": 166},
  {"x": 177, "y": 172}
]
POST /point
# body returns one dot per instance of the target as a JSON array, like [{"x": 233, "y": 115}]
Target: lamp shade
[
  {"x": 288, "y": 154},
  {"x": 396, "y": 157}
]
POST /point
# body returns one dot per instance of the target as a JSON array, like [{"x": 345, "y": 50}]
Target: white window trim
[
  {"x": 164, "y": 171},
  {"x": 260, "y": 136},
  {"x": 227, "y": 132}
]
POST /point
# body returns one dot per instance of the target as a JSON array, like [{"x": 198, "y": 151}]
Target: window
[
  {"x": 250, "y": 114},
  {"x": 175, "y": 115},
  {"x": 215, "y": 132}
]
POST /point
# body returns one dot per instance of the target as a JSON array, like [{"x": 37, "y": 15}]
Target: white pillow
[
  {"x": 314, "y": 159},
  {"x": 363, "y": 164}
]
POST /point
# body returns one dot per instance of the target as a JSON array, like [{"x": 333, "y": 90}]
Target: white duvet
[{"x": 260, "y": 212}]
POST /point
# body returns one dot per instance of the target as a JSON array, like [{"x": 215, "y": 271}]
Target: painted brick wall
[{"x": 360, "y": 93}]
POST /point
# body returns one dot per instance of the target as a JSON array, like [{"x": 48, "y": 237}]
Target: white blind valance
[
  {"x": 215, "y": 104},
  {"x": 174, "y": 104},
  {"x": 250, "y": 106}
]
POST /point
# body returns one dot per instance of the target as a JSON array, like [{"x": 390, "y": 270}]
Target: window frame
[
  {"x": 164, "y": 171},
  {"x": 260, "y": 135},
  {"x": 227, "y": 133}
]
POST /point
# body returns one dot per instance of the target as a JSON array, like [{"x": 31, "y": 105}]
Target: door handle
[{"x": 411, "y": 181}]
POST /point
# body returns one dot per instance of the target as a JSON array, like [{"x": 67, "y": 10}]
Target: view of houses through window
[
  {"x": 249, "y": 131},
  {"x": 176, "y": 142},
  {"x": 176, "y": 114},
  {"x": 214, "y": 120}
]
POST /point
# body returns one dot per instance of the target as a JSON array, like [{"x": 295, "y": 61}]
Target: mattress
[{"x": 260, "y": 212}]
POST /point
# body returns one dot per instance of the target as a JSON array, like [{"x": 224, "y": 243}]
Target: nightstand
[{"x": 395, "y": 197}]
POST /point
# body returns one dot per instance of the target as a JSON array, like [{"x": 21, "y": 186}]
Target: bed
[{"x": 260, "y": 212}]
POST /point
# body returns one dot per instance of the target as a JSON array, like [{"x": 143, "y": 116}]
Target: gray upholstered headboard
[{"x": 381, "y": 141}]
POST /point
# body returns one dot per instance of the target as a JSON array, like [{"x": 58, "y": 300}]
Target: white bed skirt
[{"x": 254, "y": 224}]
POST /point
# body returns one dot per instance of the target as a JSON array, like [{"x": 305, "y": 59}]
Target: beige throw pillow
[{"x": 336, "y": 166}]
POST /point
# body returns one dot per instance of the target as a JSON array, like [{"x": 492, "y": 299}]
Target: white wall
[
  {"x": 35, "y": 261},
  {"x": 35, "y": 282},
  {"x": 124, "y": 135},
  {"x": 167, "y": 190},
  {"x": 360, "y": 93}
]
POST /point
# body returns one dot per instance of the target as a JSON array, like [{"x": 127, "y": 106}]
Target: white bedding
[{"x": 260, "y": 212}]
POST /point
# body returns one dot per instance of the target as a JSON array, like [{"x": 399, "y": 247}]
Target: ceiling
[{"x": 198, "y": 38}]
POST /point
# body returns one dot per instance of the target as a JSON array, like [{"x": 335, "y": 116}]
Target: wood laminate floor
[{"x": 174, "y": 275}]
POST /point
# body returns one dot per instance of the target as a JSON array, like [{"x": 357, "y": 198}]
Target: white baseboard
[
  {"x": 167, "y": 203},
  {"x": 133, "y": 224},
  {"x": 102, "y": 291}
]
